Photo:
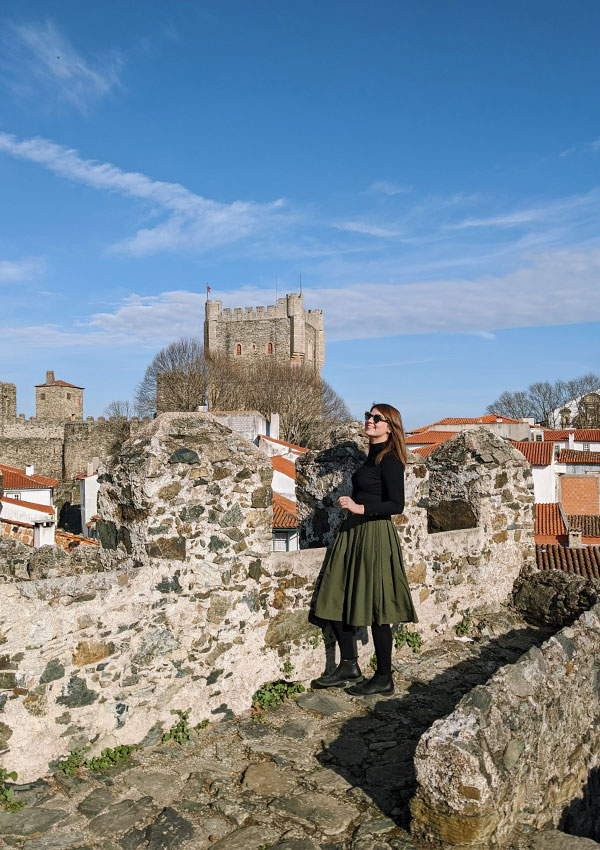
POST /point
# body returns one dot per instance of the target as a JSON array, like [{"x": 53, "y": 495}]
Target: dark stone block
[
  {"x": 450, "y": 516},
  {"x": 167, "y": 547},
  {"x": 78, "y": 694},
  {"x": 54, "y": 670},
  {"x": 184, "y": 456},
  {"x": 168, "y": 830},
  {"x": 107, "y": 534}
]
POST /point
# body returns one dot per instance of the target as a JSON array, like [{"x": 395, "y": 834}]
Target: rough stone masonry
[{"x": 189, "y": 608}]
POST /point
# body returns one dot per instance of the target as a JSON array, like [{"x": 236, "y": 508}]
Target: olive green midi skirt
[{"x": 363, "y": 580}]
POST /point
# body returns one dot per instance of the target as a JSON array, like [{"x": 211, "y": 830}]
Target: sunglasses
[{"x": 376, "y": 417}]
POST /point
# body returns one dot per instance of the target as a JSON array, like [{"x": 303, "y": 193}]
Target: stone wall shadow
[
  {"x": 375, "y": 751},
  {"x": 582, "y": 816}
]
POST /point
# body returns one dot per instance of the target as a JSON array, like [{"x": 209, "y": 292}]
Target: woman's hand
[{"x": 348, "y": 504}]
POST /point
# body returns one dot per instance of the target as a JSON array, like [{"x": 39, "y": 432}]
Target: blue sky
[{"x": 431, "y": 170}]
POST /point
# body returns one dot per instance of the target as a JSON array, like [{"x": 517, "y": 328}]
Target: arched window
[
  {"x": 269, "y": 348},
  {"x": 238, "y": 349}
]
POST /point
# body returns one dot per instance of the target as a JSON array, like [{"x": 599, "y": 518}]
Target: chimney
[
  {"x": 29, "y": 470},
  {"x": 571, "y": 439},
  {"x": 575, "y": 539},
  {"x": 90, "y": 469},
  {"x": 49, "y": 377},
  {"x": 273, "y": 428}
]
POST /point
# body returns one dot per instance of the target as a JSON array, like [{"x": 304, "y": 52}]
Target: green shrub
[
  {"x": 180, "y": 731},
  {"x": 109, "y": 758},
  {"x": 403, "y": 637},
  {"x": 465, "y": 626},
  {"x": 274, "y": 693},
  {"x": 7, "y": 795}
]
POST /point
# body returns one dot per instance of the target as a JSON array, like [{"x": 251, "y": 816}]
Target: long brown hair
[{"x": 395, "y": 441}]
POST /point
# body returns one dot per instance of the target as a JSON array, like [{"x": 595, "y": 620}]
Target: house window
[
  {"x": 539, "y": 438},
  {"x": 238, "y": 349},
  {"x": 269, "y": 348},
  {"x": 280, "y": 541},
  {"x": 586, "y": 447}
]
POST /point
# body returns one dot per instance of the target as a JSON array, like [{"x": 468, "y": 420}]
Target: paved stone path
[{"x": 324, "y": 771}]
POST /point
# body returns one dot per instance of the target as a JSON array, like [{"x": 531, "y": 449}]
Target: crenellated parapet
[{"x": 285, "y": 331}]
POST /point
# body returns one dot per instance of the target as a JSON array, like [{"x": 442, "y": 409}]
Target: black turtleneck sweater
[{"x": 379, "y": 487}]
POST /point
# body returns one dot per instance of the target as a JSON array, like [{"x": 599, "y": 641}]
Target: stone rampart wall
[
  {"x": 473, "y": 475},
  {"x": 62, "y": 450},
  {"x": 518, "y": 750},
  {"x": 184, "y": 605}
]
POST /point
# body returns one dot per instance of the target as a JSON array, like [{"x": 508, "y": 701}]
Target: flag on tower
[{"x": 207, "y": 289}]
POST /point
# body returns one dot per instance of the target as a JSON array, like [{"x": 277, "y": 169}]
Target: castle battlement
[{"x": 285, "y": 331}]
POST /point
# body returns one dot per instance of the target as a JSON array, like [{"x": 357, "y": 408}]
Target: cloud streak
[
  {"x": 190, "y": 222},
  {"x": 39, "y": 59},
  {"x": 18, "y": 271}
]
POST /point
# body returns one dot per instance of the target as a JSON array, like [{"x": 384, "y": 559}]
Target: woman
[{"x": 363, "y": 582}]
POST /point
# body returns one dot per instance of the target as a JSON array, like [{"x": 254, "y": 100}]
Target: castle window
[
  {"x": 68, "y": 396},
  {"x": 238, "y": 349},
  {"x": 269, "y": 348},
  {"x": 43, "y": 396},
  {"x": 253, "y": 347}
]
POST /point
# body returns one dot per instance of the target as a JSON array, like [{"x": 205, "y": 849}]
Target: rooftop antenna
[
  {"x": 276, "y": 289},
  {"x": 300, "y": 284}
]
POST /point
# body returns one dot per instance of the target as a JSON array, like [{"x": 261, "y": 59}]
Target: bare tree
[
  {"x": 181, "y": 378},
  {"x": 177, "y": 379},
  {"x": 122, "y": 409},
  {"x": 543, "y": 400},
  {"x": 516, "y": 405}
]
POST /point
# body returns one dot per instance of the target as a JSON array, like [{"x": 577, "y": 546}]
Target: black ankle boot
[
  {"x": 380, "y": 683},
  {"x": 345, "y": 673}
]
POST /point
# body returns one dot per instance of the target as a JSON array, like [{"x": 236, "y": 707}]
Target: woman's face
[{"x": 377, "y": 432}]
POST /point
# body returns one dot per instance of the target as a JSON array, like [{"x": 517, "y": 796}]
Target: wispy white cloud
[
  {"x": 17, "y": 271},
  {"x": 544, "y": 213},
  {"x": 368, "y": 229},
  {"x": 190, "y": 222},
  {"x": 553, "y": 290},
  {"x": 38, "y": 59},
  {"x": 589, "y": 147},
  {"x": 387, "y": 187}
]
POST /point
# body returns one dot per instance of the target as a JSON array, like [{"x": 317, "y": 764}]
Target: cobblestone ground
[{"x": 325, "y": 770}]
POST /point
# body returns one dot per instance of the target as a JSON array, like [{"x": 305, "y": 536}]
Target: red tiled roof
[
  {"x": 429, "y": 437},
  {"x": 556, "y": 435},
  {"x": 488, "y": 419},
  {"x": 60, "y": 384},
  {"x": 45, "y": 509},
  {"x": 574, "y": 456},
  {"x": 537, "y": 452},
  {"x": 15, "y": 479},
  {"x": 284, "y": 512},
  {"x": 582, "y": 562},
  {"x": 548, "y": 520},
  {"x": 425, "y": 451},
  {"x": 588, "y": 435},
  {"x": 282, "y": 443},
  {"x": 283, "y": 465},
  {"x": 588, "y": 524}
]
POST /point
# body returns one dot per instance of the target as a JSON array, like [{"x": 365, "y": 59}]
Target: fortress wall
[
  {"x": 517, "y": 751},
  {"x": 86, "y": 440},
  {"x": 45, "y": 453},
  {"x": 477, "y": 487},
  {"x": 184, "y": 604}
]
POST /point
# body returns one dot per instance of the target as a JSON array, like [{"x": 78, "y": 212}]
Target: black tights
[{"x": 382, "y": 638}]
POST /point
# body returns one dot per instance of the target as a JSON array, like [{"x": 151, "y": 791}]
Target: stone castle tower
[
  {"x": 57, "y": 401},
  {"x": 8, "y": 403},
  {"x": 285, "y": 331}
]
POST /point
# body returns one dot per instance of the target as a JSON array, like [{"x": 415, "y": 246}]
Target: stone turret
[
  {"x": 8, "y": 403},
  {"x": 58, "y": 401}
]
